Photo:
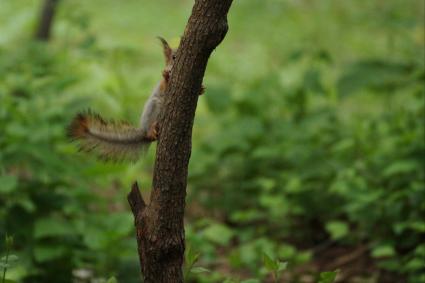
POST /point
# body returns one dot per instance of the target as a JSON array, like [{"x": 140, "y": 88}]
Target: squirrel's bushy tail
[{"x": 108, "y": 139}]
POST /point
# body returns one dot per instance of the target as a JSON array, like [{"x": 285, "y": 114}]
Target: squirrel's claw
[
  {"x": 166, "y": 75},
  {"x": 153, "y": 131},
  {"x": 202, "y": 91}
]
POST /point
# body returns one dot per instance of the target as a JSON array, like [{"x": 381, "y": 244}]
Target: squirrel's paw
[
  {"x": 153, "y": 131},
  {"x": 166, "y": 75},
  {"x": 202, "y": 91}
]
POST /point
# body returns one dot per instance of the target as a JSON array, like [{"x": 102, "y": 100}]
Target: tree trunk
[
  {"x": 46, "y": 20},
  {"x": 159, "y": 226}
]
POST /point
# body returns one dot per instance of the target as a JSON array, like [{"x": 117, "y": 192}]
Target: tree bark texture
[
  {"x": 45, "y": 22},
  {"x": 159, "y": 225}
]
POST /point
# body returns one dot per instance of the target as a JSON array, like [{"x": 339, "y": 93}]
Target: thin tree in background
[
  {"x": 159, "y": 225},
  {"x": 45, "y": 21}
]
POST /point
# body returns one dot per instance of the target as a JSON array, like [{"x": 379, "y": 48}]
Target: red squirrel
[{"x": 116, "y": 141}]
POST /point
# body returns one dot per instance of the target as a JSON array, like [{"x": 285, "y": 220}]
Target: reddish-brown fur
[{"x": 79, "y": 126}]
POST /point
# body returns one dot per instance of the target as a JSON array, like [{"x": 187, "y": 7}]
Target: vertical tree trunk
[
  {"x": 159, "y": 226},
  {"x": 46, "y": 20}
]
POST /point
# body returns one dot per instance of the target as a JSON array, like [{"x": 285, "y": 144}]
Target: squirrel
[{"x": 118, "y": 141}]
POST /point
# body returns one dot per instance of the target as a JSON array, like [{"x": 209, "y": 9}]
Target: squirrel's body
[
  {"x": 119, "y": 140},
  {"x": 152, "y": 108}
]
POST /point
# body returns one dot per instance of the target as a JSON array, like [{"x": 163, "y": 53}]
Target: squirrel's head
[{"x": 169, "y": 53}]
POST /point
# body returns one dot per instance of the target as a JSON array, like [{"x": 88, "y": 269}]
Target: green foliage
[
  {"x": 328, "y": 276},
  {"x": 275, "y": 267},
  {"x": 350, "y": 179},
  {"x": 376, "y": 75},
  {"x": 337, "y": 229},
  {"x": 320, "y": 158},
  {"x": 199, "y": 269},
  {"x": 190, "y": 258},
  {"x": 218, "y": 233},
  {"x": 45, "y": 190},
  {"x": 8, "y": 261},
  {"x": 310, "y": 135}
]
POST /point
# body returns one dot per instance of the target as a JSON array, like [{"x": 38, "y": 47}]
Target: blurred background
[{"x": 308, "y": 145}]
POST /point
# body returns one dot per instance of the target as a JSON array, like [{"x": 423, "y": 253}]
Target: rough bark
[
  {"x": 159, "y": 226},
  {"x": 45, "y": 22}
]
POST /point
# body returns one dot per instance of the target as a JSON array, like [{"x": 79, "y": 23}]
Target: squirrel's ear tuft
[
  {"x": 163, "y": 41},
  {"x": 168, "y": 52}
]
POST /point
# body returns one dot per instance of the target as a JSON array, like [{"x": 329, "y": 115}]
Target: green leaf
[
  {"x": 10, "y": 258},
  {"x": 8, "y": 184},
  {"x": 218, "y": 233},
  {"x": 246, "y": 215},
  {"x": 266, "y": 184},
  {"x": 199, "y": 270},
  {"x": 251, "y": 281},
  {"x": 303, "y": 257},
  {"x": 328, "y": 276},
  {"x": 112, "y": 280},
  {"x": 383, "y": 251},
  {"x": 400, "y": 167},
  {"x": 415, "y": 264},
  {"x": 269, "y": 263},
  {"x": 337, "y": 229},
  {"x": 191, "y": 256},
  {"x": 26, "y": 204},
  {"x": 9, "y": 241},
  {"x": 47, "y": 253},
  {"x": 375, "y": 74},
  {"x": 282, "y": 266},
  {"x": 46, "y": 227},
  {"x": 417, "y": 226},
  {"x": 286, "y": 251}
]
